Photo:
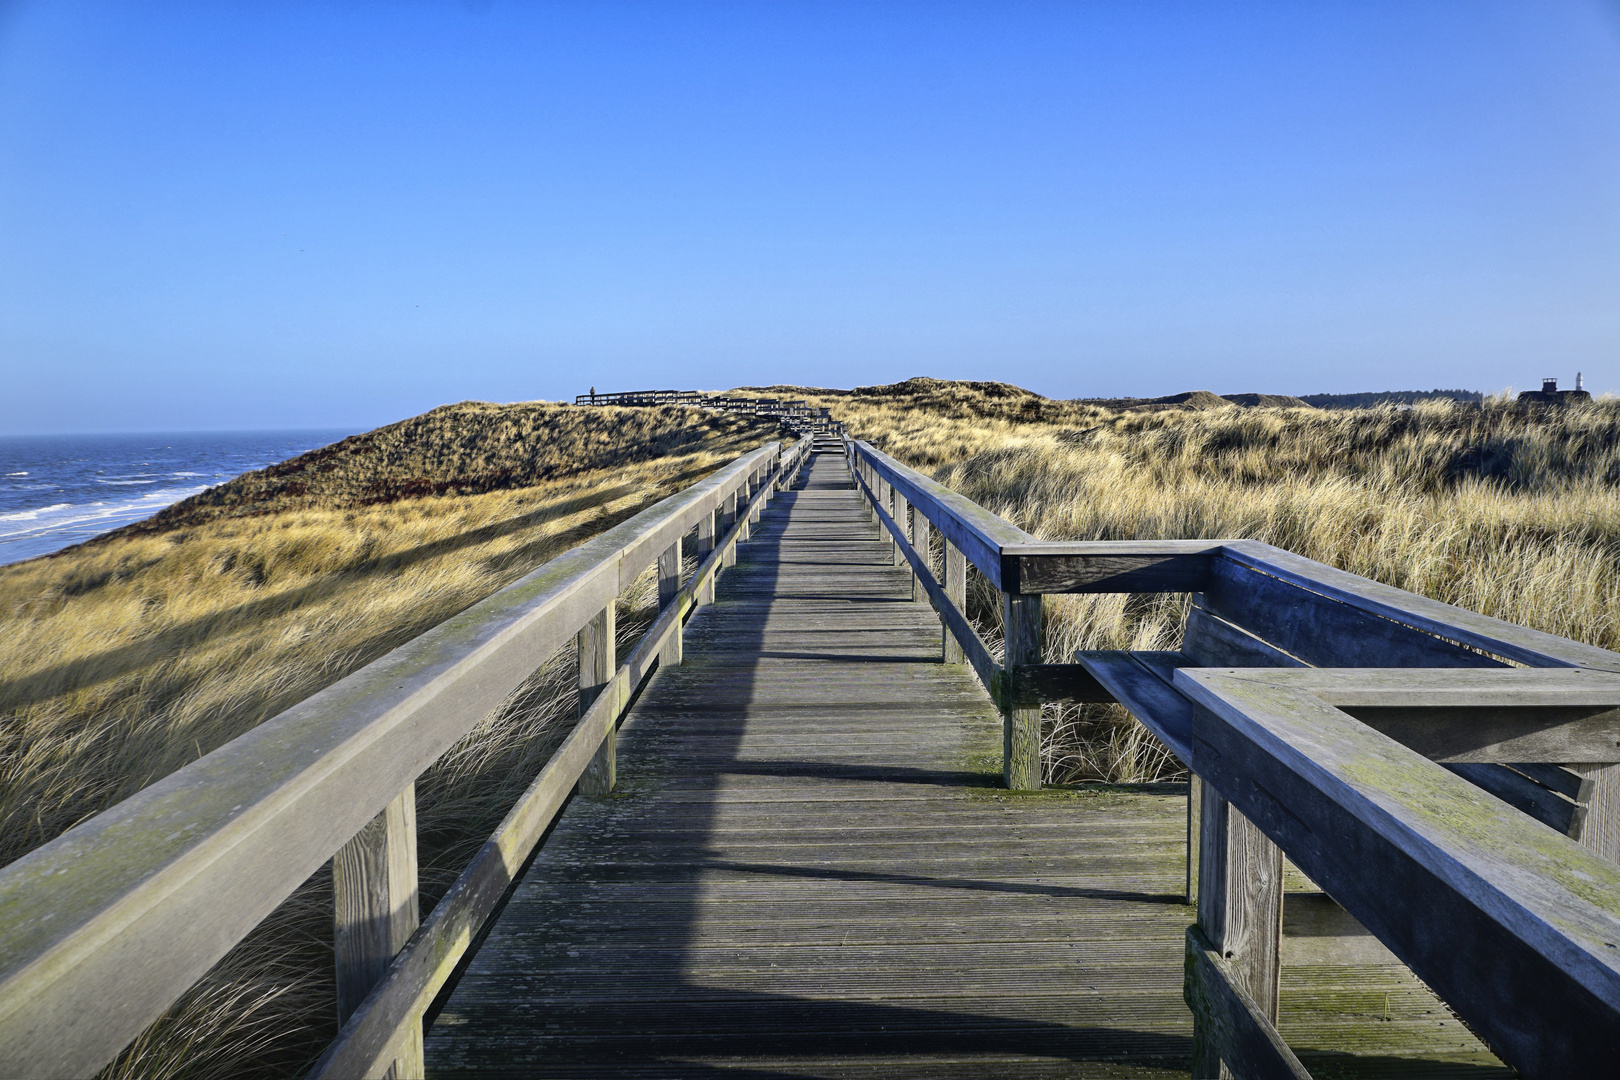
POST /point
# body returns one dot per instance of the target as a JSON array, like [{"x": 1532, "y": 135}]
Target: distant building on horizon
[{"x": 1549, "y": 394}]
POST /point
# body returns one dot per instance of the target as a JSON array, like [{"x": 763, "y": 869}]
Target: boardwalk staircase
[{"x": 799, "y": 828}]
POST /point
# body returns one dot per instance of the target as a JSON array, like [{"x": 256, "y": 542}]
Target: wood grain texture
[
  {"x": 1514, "y": 925},
  {"x": 956, "y": 592},
  {"x": 1323, "y": 630},
  {"x": 1225, "y": 1016},
  {"x": 1600, "y": 829},
  {"x": 596, "y": 665},
  {"x": 669, "y": 584},
  {"x": 1020, "y": 723},
  {"x": 923, "y": 540},
  {"x": 1240, "y": 906}
]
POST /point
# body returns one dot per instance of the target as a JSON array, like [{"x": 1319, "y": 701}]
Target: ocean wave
[
  {"x": 123, "y": 482},
  {"x": 73, "y": 522},
  {"x": 30, "y": 515},
  {"x": 188, "y": 474},
  {"x": 16, "y": 474}
]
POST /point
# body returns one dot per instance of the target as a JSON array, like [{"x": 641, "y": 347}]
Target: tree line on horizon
[{"x": 1390, "y": 397}]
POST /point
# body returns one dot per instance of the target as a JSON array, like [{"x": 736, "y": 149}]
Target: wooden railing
[
  {"x": 103, "y": 928},
  {"x": 1355, "y": 728},
  {"x": 796, "y": 415}
]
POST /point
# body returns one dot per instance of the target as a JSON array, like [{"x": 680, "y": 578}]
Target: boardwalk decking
[{"x": 805, "y": 871}]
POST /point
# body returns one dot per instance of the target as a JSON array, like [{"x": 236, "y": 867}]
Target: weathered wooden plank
[
  {"x": 1211, "y": 641},
  {"x": 1600, "y": 828},
  {"x": 1243, "y": 1030},
  {"x": 1322, "y": 630},
  {"x": 1522, "y": 793},
  {"x": 1512, "y": 924},
  {"x": 1145, "y": 566},
  {"x": 976, "y": 532},
  {"x": 596, "y": 666},
  {"x": 1240, "y": 904},
  {"x": 374, "y": 913},
  {"x": 1020, "y": 723},
  {"x": 1145, "y": 693},
  {"x": 1494, "y": 636}
]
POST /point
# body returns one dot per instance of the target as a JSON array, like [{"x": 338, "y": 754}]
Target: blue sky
[{"x": 274, "y": 214}]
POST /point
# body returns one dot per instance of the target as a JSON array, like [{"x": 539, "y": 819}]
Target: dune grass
[
  {"x": 1509, "y": 511},
  {"x": 131, "y": 656}
]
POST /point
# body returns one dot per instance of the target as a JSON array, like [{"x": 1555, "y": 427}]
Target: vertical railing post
[
  {"x": 705, "y": 544},
  {"x": 1600, "y": 834},
  {"x": 923, "y": 540},
  {"x": 374, "y": 907},
  {"x": 728, "y": 519},
  {"x": 669, "y": 585},
  {"x": 902, "y": 519},
  {"x": 1020, "y": 723},
  {"x": 1240, "y": 900},
  {"x": 956, "y": 593},
  {"x": 596, "y": 664}
]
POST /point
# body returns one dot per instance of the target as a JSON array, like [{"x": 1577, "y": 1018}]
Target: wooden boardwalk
[{"x": 807, "y": 871}]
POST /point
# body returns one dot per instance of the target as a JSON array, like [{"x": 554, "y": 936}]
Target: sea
[{"x": 59, "y": 490}]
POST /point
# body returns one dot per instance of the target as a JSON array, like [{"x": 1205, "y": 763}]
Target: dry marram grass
[{"x": 131, "y": 656}]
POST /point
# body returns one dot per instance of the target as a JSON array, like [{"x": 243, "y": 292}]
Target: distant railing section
[
  {"x": 797, "y": 415},
  {"x": 1354, "y": 727},
  {"x": 103, "y": 928}
]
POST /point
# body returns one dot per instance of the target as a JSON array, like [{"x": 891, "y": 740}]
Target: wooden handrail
[{"x": 104, "y": 927}]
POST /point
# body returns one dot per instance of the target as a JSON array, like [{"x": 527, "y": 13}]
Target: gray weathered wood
[
  {"x": 364, "y": 1046},
  {"x": 975, "y": 531},
  {"x": 596, "y": 665},
  {"x": 705, "y": 544},
  {"x": 1195, "y": 815},
  {"x": 1493, "y": 636},
  {"x": 1515, "y": 926},
  {"x": 1146, "y": 693},
  {"x": 956, "y": 593},
  {"x": 1522, "y": 793},
  {"x": 1600, "y": 829},
  {"x": 374, "y": 913},
  {"x": 1037, "y": 683},
  {"x": 1229, "y": 1019},
  {"x": 1148, "y": 566},
  {"x": 1569, "y": 784},
  {"x": 669, "y": 587},
  {"x": 1213, "y": 642},
  {"x": 1021, "y": 724},
  {"x": 902, "y": 517},
  {"x": 923, "y": 541},
  {"x": 1321, "y": 630},
  {"x": 1240, "y": 898}
]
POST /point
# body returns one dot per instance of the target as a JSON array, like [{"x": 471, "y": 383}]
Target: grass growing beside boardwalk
[
  {"x": 1507, "y": 511},
  {"x": 126, "y": 658}
]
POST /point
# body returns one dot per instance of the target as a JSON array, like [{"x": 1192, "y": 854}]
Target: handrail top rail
[
  {"x": 211, "y": 848},
  {"x": 1549, "y": 890}
]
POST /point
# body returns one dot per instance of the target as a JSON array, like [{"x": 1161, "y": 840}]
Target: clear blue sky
[{"x": 267, "y": 214}]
